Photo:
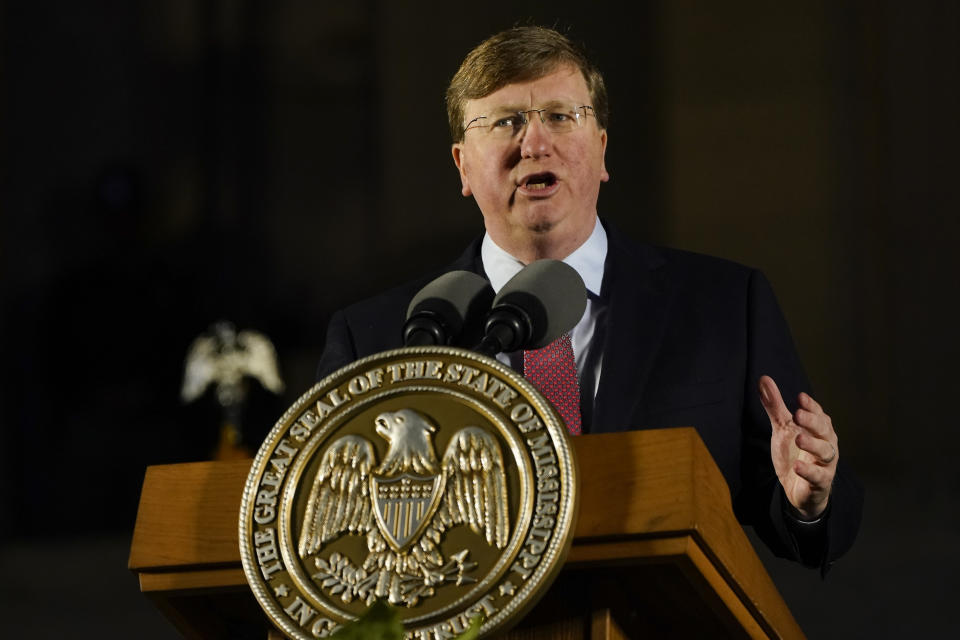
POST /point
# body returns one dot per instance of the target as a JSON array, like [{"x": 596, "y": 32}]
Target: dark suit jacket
[{"x": 686, "y": 340}]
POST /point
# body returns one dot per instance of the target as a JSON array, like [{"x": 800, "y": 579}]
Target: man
[{"x": 668, "y": 338}]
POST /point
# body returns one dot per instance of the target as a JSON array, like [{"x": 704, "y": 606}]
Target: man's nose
[{"x": 536, "y": 140}]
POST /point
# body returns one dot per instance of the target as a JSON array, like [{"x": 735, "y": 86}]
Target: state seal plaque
[{"x": 432, "y": 477}]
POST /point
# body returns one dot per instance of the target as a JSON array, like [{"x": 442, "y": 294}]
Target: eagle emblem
[{"x": 403, "y": 506}]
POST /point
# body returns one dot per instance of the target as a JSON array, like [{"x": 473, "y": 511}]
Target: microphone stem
[
  {"x": 489, "y": 346},
  {"x": 423, "y": 329},
  {"x": 501, "y": 335}
]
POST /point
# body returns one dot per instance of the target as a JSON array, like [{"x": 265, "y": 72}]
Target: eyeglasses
[{"x": 506, "y": 125}]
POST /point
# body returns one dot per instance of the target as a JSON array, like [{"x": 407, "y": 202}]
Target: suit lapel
[
  {"x": 639, "y": 298},
  {"x": 470, "y": 259}
]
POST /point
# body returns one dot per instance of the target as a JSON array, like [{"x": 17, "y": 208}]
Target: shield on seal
[{"x": 404, "y": 504}]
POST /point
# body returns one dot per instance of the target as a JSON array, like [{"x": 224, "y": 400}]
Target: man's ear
[
  {"x": 460, "y": 161},
  {"x": 604, "y": 175}
]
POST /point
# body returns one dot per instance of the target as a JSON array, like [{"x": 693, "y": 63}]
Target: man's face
[{"x": 537, "y": 188}]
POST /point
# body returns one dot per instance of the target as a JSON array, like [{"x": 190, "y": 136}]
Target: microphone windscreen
[
  {"x": 459, "y": 298},
  {"x": 553, "y": 296}
]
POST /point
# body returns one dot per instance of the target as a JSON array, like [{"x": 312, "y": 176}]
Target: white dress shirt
[{"x": 588, "y": 260}]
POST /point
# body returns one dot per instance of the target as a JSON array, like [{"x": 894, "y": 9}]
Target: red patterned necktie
[{"x": 553, "y": 371}]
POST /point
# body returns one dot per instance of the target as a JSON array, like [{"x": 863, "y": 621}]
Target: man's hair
[{"x": 520, "y": 54}]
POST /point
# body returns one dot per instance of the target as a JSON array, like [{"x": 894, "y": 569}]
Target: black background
[{"x": 166, "y": 165}]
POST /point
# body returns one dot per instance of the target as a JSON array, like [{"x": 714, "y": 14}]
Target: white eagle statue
[
  {"x": 225, "y": 357},
  {"x": 403, "y": 506}
]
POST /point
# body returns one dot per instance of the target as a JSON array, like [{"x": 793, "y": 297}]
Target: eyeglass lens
[{"x": 556, "y": 118}]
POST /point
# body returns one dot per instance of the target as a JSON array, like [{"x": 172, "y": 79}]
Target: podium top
[{"x": 643, "y": 495}]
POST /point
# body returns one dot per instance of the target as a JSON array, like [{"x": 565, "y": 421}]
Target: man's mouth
[{"x": 539, "y": 181}]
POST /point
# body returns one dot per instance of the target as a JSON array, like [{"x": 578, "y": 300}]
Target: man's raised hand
[{"x": 803, "y": 448}]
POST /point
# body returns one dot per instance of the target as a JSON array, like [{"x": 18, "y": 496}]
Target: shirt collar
[{"x": 587, "y": 259}]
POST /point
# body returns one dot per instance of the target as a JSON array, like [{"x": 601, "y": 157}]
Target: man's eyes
[
  {"x": 551, "y": 117},
  {"x": 515, "y": 119}
]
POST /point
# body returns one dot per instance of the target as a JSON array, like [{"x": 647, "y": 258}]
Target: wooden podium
[{"x": 657, "y": 551}]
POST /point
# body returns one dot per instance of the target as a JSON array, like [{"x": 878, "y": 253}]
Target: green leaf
[
  {"x": 473, "y": 631},
  {"x": 380, "y": 622}
]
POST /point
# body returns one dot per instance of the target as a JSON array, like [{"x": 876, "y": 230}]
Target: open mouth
[{"x": 539, "y": 181}]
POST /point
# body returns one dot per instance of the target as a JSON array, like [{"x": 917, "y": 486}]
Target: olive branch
[{"x": 342, "y": 578}]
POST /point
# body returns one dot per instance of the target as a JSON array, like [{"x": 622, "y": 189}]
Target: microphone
[
  {"x": 448, "y": 307},
  {"x": 538, "y": 305}
]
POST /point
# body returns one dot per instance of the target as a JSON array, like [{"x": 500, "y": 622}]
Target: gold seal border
[{"x": 551, "y": 559}]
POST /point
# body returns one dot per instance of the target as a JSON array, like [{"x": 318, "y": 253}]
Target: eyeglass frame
[{"x": 525, "y": 120}]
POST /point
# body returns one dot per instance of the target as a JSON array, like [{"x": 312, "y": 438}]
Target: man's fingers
[
  {"x": 809, "y": 403},
  {"x": 817, "y": 423},
  {"x": 823, "y": 451},
  {"x": 773, "y": 402},
  {"x": 818, "y": 477}
]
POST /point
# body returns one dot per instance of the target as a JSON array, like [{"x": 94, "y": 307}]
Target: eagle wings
[{"x": 467, "y": 486}]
